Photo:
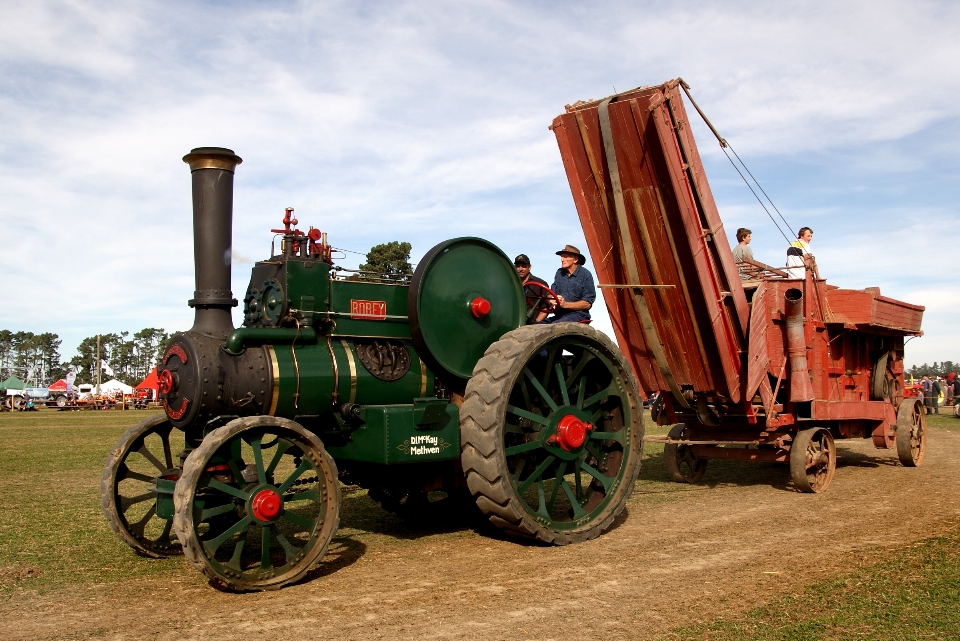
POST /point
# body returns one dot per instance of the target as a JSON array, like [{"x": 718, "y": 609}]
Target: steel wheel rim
[
  {"x": 819, "y": 455},
  {"x": 560, "y": 488},
  {"x": 132, "y": 482},
  {"x": 917, "y": 436},
  {"x": 236, "y": 541}
]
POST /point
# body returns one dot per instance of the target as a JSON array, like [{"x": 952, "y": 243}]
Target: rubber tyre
[
  {"x": 483, "y": 426},
  {"x": 681, "y": 464},
  {"x": 813, "y": 446},
  {"x": 165, "y": 545},
  {"x": 911, "y": 433},
  {"x": 195, "y": 466}
]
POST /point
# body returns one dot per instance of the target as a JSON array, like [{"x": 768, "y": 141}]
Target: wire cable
[{"x": 723, "y": 146}]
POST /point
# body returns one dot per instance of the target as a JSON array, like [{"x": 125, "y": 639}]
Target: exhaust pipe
[
  {"x": 212, "y": 171},
  {"x": 801, "y": 389}
]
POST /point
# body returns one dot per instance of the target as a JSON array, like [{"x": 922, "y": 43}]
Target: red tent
[
  {"x": 59, "y": 386},
  {"x": 150, "y": 383}
]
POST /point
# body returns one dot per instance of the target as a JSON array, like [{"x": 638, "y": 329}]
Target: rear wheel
[
  {"x": 911, "y": 433},
  {"x": 813, "y": 459},
  {"x": 551, "y": 433},
  {"x": 683, "y": 466},
  {"x": 257, "y": 504}
]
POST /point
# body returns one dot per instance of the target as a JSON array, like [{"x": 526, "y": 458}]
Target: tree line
[
  {"x": 35, "y": 358},
  {"x": 937, "y": 369}
]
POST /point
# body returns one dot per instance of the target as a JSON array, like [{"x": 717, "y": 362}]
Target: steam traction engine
[
  {"x": 412, "y": 390},
  {"x": 773, "y": 368}
]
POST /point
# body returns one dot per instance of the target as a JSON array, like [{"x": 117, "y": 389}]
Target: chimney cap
[{"x": 212, "y": 158}]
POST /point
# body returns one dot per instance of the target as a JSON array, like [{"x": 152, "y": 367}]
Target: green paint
[
  {"x": 456, "y": 273},
  {"x": 391, "y": 434}
]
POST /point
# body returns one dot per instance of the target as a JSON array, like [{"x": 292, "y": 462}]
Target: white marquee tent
[{"x": 113, "y": 386}]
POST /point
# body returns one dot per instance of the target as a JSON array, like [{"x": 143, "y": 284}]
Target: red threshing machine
[{"x": 770, "y": 369}]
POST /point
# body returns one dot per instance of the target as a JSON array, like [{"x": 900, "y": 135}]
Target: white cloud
[{"x": 420, "y": 122}]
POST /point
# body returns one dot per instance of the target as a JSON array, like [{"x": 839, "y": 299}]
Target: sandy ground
[{"x": 699, "y": 553}]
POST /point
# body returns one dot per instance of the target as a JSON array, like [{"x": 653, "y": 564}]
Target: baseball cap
[{"x": 522, "y": 259}]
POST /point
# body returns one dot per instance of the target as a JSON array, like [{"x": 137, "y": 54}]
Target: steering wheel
[{"x": 542, "y": 301}]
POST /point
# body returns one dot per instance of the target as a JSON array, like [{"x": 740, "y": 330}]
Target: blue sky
[{"x": 422, "y": 121}]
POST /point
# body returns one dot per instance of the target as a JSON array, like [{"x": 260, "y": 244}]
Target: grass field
[{"x": 54, "y": 536}]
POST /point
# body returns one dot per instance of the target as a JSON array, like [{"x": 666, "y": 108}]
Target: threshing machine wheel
[
  {"x": 911, "y": 433},
  {"x": 683, "y": 466},
  {"x": 813, "y": 459},
  {"x": 551, "y": 432},
  {"x": 257, "y": 504},
  {"x": 129, "y": 487}
]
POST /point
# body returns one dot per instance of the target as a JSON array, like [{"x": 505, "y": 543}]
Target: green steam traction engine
[{"x": 410, "y": 389}]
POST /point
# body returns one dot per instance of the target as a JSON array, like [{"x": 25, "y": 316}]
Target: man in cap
[
  {"x": 536, "y": 296},
  {"x": 573, "y": 284}
]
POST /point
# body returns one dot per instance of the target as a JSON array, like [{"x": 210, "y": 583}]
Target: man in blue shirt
[{"x": 574, "y": 287}]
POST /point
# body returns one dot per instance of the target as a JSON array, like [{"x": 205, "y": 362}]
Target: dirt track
[{"x": 681, "y": 554}]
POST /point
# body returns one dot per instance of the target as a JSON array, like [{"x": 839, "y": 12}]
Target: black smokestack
[{"x": 212, "y": 171}]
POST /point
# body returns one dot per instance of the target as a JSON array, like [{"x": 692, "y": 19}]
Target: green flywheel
[{"x": 464, "y": 296}]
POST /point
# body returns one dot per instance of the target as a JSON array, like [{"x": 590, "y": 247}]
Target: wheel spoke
[
  {"x": 303, "y": 467},
  {"x": 124, "y": 473},
  {"x": 214, "y": 544},
  {"x": 145, "y": 452},
  {"x": 127, "y": 501},
  {"x": 589, "y": 469},
  {"x": 581, "y": 392},
  {"x": 578, "y": 511},
  {"x": 167, "y": 453},
  {"x": 265, "y": 547},
  {"x": 608, "y": 436},
  {"x": 288, "y": 547},
  {"x": 540, "y": 389},
  {"x": 216, "y": 511},
  {"x": 563, "y": 383},
  {"x": 536, "y": 418},
  {"x": 578, "y": 482},
  {"x": 258, "y": 460},
  {"x": 551, "y": 357},
  {"x": 234, "y": 562},
  {"x": 307, "y": 495},
  {"x": 587, "y": 357},
  {"x": 558, "y": 480},
  {"x": 599, "y": 396},
  {"x": 536, "y": 474},
  {"x": 138, "y": 527},
  {"x": 525, "y": 447},
  {"x": 510, "y": 428},
  {"x": 228, "y": 489},
  {"x": 306, "y": 524},
  {"x": 282, "y": 447}
]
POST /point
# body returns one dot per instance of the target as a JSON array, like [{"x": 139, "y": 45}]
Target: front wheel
[
  {"x": 551, "y": 430},
  {"x": 138, "y": 470},
  {"x": 682, "y": 465},
  {"x": 257, "y": 504}
]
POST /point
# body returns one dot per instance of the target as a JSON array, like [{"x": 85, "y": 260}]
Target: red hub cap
[
  {"x": 572, "y": 432},
  {"x": 266, "y": 505},
  {"x": 165, "y": 381},
  {"x": 480, "y": 307}
]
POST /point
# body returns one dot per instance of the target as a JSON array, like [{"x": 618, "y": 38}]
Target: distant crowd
[{"x": 931, "y": 389}]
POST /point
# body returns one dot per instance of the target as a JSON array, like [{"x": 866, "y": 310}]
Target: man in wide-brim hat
[{"x": 573, "y": 284}]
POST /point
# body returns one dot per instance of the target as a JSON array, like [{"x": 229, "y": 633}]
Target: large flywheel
[
  {"x": 551, "y": 432},
  {"x": 464, "y": 296}
]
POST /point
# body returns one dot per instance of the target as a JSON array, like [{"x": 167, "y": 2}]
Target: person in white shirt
[{"x": 798, "y": 253}]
